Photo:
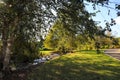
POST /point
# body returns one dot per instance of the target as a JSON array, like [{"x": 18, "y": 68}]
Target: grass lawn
[
  {"x": 45, "y": 53},
  {"x": 84, "y": 65}
]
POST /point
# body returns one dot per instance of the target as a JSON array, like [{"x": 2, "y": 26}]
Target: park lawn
[{"x": 85, "y": 65}]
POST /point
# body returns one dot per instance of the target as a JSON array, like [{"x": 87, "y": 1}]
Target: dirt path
[{"x": 115, "y": 53}]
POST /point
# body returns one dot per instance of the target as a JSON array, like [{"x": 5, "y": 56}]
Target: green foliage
[
  {"x": 107, "y": 42},
  {"x": 84, "y": 42},
  {"x": 51, "y": 40},
  {"x": 21, "y": 23},
  {"x": 116, "y": 42},
  {"x": 26, "y": 52},
  {"x": 73, "y": 20},
  {"x": 59, "y": 38}
]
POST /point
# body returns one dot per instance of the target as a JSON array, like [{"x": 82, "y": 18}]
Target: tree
[
  {"x": 20, "y": 21},
  {"x": 59, "y": 38},
  {"x": 9, "y": 25},
  {"x": 72, "y": 20}
]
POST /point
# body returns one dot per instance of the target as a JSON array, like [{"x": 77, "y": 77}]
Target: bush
[{"x": 25, "y": 53}]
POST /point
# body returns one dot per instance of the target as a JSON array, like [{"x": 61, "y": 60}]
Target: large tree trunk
[
  {"x": 7, "y": 54},
  {"x": 4, "y": 43},
  {"x": 8, "y": 39},
  {"x": 3, "y": 51},
  {"x": 6, "y": 50}
]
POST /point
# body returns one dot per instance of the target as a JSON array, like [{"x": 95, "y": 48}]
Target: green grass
[
  {"x": 45, "y": 53},
  {"x": 85, "y": 65}
]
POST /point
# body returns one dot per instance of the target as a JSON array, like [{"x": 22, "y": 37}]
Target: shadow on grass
[{"x": 77, "y": 68}]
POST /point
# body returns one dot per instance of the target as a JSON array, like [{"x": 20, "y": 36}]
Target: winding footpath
[{"x": 115, "y": 53}]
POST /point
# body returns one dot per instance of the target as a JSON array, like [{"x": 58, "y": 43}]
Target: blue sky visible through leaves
[{"x": 105, "y": 14}]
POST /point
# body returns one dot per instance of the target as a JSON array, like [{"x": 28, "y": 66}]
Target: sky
[{"x": 103, "y": 16}]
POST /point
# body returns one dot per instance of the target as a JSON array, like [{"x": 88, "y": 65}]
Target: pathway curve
[{"x": 115, "y": 53}]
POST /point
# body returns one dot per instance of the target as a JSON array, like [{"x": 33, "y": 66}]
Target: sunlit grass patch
[
  {"x": 45, "y": 53},
  {"x": 78, "y": 66}
]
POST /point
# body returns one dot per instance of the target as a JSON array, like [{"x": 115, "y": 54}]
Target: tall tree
[
  {"x": 72, "y": 20},
  {"x": 21, "y": 20}
]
